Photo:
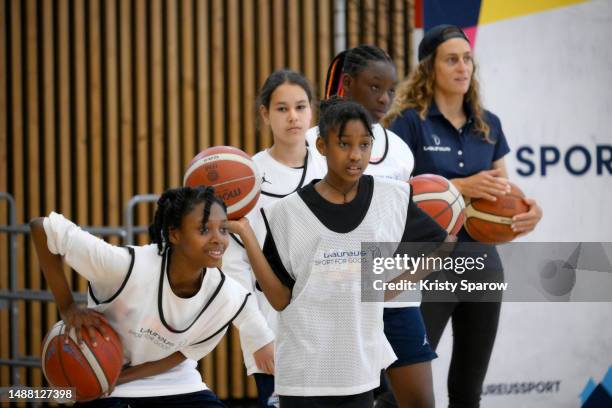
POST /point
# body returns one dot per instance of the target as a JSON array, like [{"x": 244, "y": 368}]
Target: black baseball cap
[{"x": 436, "y": 36}]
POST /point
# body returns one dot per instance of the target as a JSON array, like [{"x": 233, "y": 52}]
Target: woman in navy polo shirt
[{"x": 438, "y": 113}]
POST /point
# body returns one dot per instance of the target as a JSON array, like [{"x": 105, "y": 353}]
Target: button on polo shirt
[{"x": 440, "y": 148}]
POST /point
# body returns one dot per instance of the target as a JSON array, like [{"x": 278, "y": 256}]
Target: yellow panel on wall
[{"x": 495, "y": 10}]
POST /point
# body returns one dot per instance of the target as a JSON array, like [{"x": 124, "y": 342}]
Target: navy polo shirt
[{"x": 440, "y": 148}]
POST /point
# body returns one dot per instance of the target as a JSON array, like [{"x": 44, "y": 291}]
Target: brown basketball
[
  {"x": 489, "y": 221},
  {"x": 233, "y": 175},
  {"x": 92, "y": 371},
  {"x": 439, "y": 198}
]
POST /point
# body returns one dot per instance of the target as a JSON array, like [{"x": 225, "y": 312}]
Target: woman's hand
[
  {"x": 80, "y": 317},
  {"x": 525, "y": 223},
  {"x": 264, "y": 358},
  {"x": 488, "y": 184}
]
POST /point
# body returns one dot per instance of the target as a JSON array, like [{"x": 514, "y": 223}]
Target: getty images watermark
[{"x": 520, "y": 272}]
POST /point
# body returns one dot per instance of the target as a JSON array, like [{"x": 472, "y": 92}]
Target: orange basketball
[
  {"x": 440, "y": 200},
  {"x": 233, "y": 175},
  {"x": 489, "y": 221},
  {"x": 92, "y": 371}
]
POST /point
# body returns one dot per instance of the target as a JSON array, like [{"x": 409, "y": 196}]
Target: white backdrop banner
[{"x": 545, "y": 68}]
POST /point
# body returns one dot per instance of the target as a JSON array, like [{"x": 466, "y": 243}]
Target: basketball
[
  {"x": 437, "y": 196},
  {"x": 233, "y": 175},
  {"x": 489, "y": 221},
  {"x": 92, "y": 371}
]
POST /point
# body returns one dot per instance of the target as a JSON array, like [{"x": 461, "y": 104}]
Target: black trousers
[
  {"x": 363, "y": 400},
  {"x": 474, "y": 327}
]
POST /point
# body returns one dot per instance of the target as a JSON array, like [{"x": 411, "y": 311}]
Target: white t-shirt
[
  {"x": 278, "y": 180},
  {"x": 130, "y": 286}
]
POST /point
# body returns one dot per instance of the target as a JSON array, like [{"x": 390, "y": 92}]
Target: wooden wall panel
[
  {"x": 80, "y": 130},
  {"x": 248, "y": 76},
  {"x": 325, "y": 41},
  {"x": 4, "y": 175},
  {"x": 101, "y": 100},
  {"x": 111, "y": 137},
  {"x": 16, "y": 135},
  {"x": 187, "y": 84},
  {"x": 203, "y": 73},
  {"x": 142, "y": 109},
  {"x": 32, "y": 140},
  {"x": 126, "y": 110},
  {"x": 264, "y": 67},
  {"x": 173, "y": 92}
]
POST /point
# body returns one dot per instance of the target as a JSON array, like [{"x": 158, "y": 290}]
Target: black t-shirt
[{"x": 343, "y": 218}]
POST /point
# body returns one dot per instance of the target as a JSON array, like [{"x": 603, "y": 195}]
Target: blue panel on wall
[{"x": 462, "y": 13}]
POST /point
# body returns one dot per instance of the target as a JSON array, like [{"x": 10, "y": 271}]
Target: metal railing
[{"x": 10, "y": 297}]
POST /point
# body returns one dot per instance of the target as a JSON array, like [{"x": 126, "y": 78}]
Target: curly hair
[
  {"x": 173, "y": 205},
  {"x": 417, "y": 93}
]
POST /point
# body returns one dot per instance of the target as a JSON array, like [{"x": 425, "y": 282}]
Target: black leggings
[{"x": 474, "y": 327}]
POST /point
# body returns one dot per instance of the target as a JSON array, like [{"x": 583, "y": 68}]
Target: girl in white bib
[
  {"x": 168, "y": 301},
  {"x": 330, "y": 346}
]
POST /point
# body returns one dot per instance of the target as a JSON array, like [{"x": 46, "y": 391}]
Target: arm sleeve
[
  {"x": 273, "y": 257},
  {"x": 99, "y": 262},
  {"x": 407, "y": 163},
  {"x": 200, "y": 350},
  {"x": 236, "y": 264},
  {"x": 420, "y": 227},
  {"x": 501, "y": 144},
  {"x": 254, "y": 330},
  {"x": 406, "y": 126}
]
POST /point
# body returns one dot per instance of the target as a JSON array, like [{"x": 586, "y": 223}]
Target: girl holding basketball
[
  {"x": 167, "y": 301},
  {"x": 284, "y": 105},
  {"x": 367, "y": 75},
  {"x": 438, "y": 112},
  {"x": 330, "y": 345}
]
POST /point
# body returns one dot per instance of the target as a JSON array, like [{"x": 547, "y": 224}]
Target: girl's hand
[
  {"x": 264, "y": 358},
  {"x": 239, "y": 227},
  {"x": 487, "y": 184},
  {"x": 525, "y": 223},
  {"x": 80, "y": 317}
]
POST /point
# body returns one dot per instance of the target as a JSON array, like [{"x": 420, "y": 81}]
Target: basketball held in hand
[
  {"x": 92, "y": 371},
  {"x": 439, "y": 198},
  {"x": 231, "y": 172},
  {"x": 490, "y": 221}
]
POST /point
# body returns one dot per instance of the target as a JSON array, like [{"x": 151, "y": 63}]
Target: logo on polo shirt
[{"x": 437, "y": 147}]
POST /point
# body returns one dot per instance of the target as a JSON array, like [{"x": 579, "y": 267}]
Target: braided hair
[
  {"x": 173, "y": 205},
  {"x": 335, "y": 112},
  {"x": 351, "y": 62}
]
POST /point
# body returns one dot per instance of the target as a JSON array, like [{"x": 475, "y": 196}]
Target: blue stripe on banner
[
  {"x": 462, "y": 13},
  {"x": 587, "y": 391},
  {"x": 607, "y": 381}
]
